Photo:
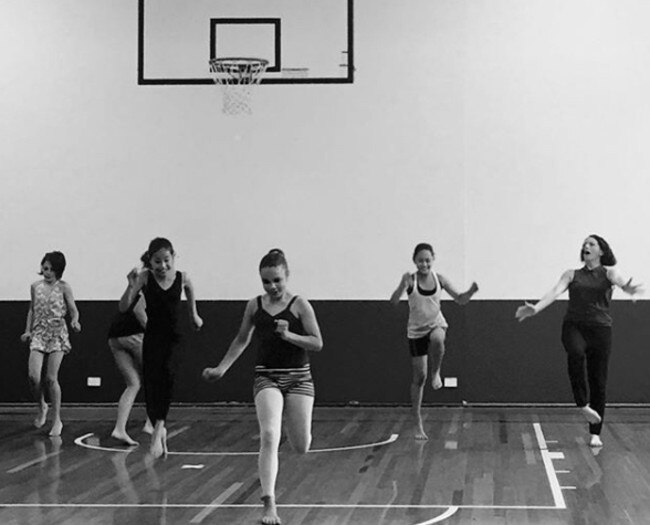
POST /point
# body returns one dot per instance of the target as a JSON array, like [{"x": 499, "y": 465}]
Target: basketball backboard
[{"x": 305, "y": 41}]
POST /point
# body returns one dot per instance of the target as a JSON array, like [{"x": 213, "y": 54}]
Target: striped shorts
[{"x": 296, "y": 382}]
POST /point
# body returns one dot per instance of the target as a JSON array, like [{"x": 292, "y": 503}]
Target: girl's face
[
  {"x": 274, "y": 280},
  {"x": 591, "y": 251},
  {"x": 162, "y": 262},
  {"x": 48, "y": 273},
  {"x": 423, "y": 261}
]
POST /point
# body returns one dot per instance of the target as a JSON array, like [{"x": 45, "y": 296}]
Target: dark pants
[
  {"x": 588, "y": 345},
  {"x": 158, "y": 374}
]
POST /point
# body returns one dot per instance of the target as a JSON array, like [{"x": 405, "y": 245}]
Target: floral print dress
[{"x": 49, "y": 330}]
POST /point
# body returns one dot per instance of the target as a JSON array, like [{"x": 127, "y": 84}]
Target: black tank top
[
  {"x": 162, "y": 306},
  {"x": 273, "y": 351},
  {"x": 590, "y": 293},
  {"x": 126, "y": 323}
]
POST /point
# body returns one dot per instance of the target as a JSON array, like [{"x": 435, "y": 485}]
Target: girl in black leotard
[
  {"x": 286, "y": 329},
  {"x": 162, "y": 286},
  {"x": 587, "y": 326}
]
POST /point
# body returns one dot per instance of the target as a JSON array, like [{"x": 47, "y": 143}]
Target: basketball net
[{"x": 237, "y": 76}]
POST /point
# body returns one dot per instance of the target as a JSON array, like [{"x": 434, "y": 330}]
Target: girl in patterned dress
[
  {"x": 427, "y": 327},
  {"x": 47, "y": 333}
]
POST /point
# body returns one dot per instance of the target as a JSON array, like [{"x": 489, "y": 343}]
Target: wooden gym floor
[{"x": 482, "y": 466}]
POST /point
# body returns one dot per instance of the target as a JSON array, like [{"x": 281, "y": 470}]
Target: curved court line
[
  {"x": 80, "y": 442},
  {"x": 447, "y": 514}
]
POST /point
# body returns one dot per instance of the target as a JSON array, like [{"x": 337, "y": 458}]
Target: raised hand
[{"x": 132, "y": 276}]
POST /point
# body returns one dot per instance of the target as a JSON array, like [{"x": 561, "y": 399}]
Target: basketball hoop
[{"x": 237, "y": 76}]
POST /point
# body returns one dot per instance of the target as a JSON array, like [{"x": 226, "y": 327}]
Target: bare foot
[
  {"x": 148, "y": 427},
  {"x": 270, "y": 513},
  {"x": 124, "y": 437},
  {"x": 419, "y": 432},
  {"x": 436, "y": 382},
  {"x": 595, "y": 441},
  {"x": 57, "y": 428},
  {"x": 41, "y": 416},
  {"x": 590, "y": 415},
  {"x": 158, "y": 446}
]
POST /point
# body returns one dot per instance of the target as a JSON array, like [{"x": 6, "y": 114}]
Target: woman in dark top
[
  {"x": 286, "y": 329},
  {"x": 587, "y": 326},
  {"x": 161, "y": 285}
]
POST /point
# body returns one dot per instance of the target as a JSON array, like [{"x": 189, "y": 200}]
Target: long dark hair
[{"x": 607, "y": 258}]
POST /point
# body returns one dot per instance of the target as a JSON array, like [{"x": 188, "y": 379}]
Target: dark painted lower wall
[{"x": 365, "y": 358}]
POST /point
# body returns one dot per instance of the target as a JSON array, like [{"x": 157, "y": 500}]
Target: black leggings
[
  {"x": 158, "y": 374},
  {"x": 590, "y": 345}
]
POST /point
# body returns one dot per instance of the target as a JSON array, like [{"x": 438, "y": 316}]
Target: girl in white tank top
[
  {"x": 426, "y": 326},
  {"x": 424, "y": 309}
]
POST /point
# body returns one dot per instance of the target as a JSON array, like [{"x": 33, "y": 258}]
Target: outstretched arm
[
  {"x": 72, "y": 307},
  {"x": 404, "y": 283},
  {"x": 622, "y": 283},
  {"x": 460, "y": 298},
  {"x": 312, "y": 340},
  {"x": 529, "y": 309},
  {"x": 196, "y": 321},
  {"x": 237, "y": 346}
]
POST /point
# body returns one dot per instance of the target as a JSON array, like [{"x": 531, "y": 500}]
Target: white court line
[
  {"x": 33, "y": 462},
  {"x": 450, "y": 512},
  {"x": 547, "y": 458},
  {"x": 216, "y": 502},
  {"x": 279, "y": 505},
  {"x": 80, "y": 441}
]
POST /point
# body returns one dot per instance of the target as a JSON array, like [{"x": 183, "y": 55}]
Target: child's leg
[
  {"x": 437, "y": 352},
  {"x": 299, "y": 410},
  {"x": 35, "y": 371},
  {"x": 130, "y": 371},
  {"x": 137, "y": 358},
  {"x": 269, "y": 404},
  {"x": 54, "y": 360},
  {"x": 418, "y": 378}
]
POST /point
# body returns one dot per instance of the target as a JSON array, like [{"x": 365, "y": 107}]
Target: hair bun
[{"x": 276, "y": 250}]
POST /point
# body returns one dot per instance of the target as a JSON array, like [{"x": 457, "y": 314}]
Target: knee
[
  {"x": 133, "y": 384},
  {"x": 51, "y": 381},
  {"x": 438, "y": 343},
  {"x": 269, "y": 439},
  {"x": 302, "y": 446},
  {"x": 419, "y": 378}
]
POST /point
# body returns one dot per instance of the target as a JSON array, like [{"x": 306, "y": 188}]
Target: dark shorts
[
  {"x": 297, "y": 383},
  {"x": 420, "y": 346}
]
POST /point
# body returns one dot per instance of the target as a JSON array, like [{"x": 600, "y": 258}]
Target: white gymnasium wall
[{"x": 502, "y": 131}]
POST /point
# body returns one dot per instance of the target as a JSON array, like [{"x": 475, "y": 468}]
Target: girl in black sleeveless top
[
  {"x": 125, "y": 336},
  {"x": 162, "y": 286},
  {"x": 286, "y": 330},
  {"x": 587, "y": 326}
]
